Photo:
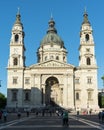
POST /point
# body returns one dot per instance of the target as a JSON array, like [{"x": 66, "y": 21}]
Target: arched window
[
  {"x": 87, "y": 37},
  {"x": 45, "y": 58},
  {"x": 15, "y": 61},
  {"x": 57, "y": 58},
  {"x": 88, "y": 61},
  {"x": 77, "y": 96},
  {"x": 16, "y": 38},
  {"x": 39, "y": 58},
  {"x": 64, "y": 58}
]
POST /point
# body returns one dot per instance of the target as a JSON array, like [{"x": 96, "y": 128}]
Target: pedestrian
[
  {"x": 90, "y": 111},
  {"x": 27, "y": 113},
  {"x": 102, "y": 116},
  {"x": 5, "y": 115},
  {"x": 50, "y": 113},
  {"x": 78, "y": 114},
  {"x": 65, "y": 118},
  {"x": 0, "y": 115},
  {"x": 19, "y": 114},
  {"x": 36, "y": 113}
]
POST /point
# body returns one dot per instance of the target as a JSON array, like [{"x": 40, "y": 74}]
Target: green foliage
[
  {"x": 102, "y": 77},
  {"x": 103, "y": 80},
  {"x": 2, "y": 101},
  {"x": 102, "y": 101}
]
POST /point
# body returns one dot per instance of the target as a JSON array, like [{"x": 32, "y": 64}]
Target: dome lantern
[{"x": 51, "y": 35}]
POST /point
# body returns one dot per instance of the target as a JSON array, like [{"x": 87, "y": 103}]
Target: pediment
[{"x": 52, "y": 63}]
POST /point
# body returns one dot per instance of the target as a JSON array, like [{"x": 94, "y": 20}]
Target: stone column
[{"x": 65, "y": 93}]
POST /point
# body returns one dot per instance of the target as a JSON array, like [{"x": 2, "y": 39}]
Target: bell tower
[
  {"x": 86, "y": 49},
  {"x": 16, "y": 65},
  {"x": 86, "y": 73},
  {"x": 17, "y": 48}
]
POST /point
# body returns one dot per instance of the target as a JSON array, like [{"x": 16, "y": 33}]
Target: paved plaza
[{"x": 47, "y": 122}]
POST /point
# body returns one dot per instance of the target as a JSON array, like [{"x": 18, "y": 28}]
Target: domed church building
[{"x": 52, "y": 81}]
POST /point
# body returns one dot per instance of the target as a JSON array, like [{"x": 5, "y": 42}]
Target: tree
[
  {"x": 101, "y": 95},
  {"x": 103, "y": 80},
  {"x": 2, "y": 101}
]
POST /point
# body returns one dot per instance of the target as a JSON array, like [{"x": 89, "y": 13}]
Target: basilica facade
[{"x": 52, "y": 80}]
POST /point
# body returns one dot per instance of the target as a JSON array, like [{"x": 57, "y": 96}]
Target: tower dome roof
[
  {"x": 52, "y": 36},
  {"x": 18, "y": 22},
  {"x": 85, "y": 21}
]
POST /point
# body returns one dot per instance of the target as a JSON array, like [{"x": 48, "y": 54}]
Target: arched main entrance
[{"x": 52, "y": 91}]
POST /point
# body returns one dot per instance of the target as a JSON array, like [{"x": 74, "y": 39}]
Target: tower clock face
[
  {"x": 17, "y": 28},
  {"x": 15, "y": 51}
]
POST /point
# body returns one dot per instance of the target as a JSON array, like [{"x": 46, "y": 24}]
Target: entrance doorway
[{"x": 52, "y": 91}]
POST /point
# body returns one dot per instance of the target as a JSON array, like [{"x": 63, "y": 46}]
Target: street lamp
[{"x": 88, "y": 107}]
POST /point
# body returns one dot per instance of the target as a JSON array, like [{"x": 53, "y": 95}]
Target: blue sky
[{"x": 35, "y": 14}]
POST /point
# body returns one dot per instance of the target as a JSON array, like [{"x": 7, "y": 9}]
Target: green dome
[{"x": 52, "y": 37}]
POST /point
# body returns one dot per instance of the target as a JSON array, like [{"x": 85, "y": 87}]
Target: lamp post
[
  {"x": 17, "y": 106},
  {"x": 88, "y": 107}
]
